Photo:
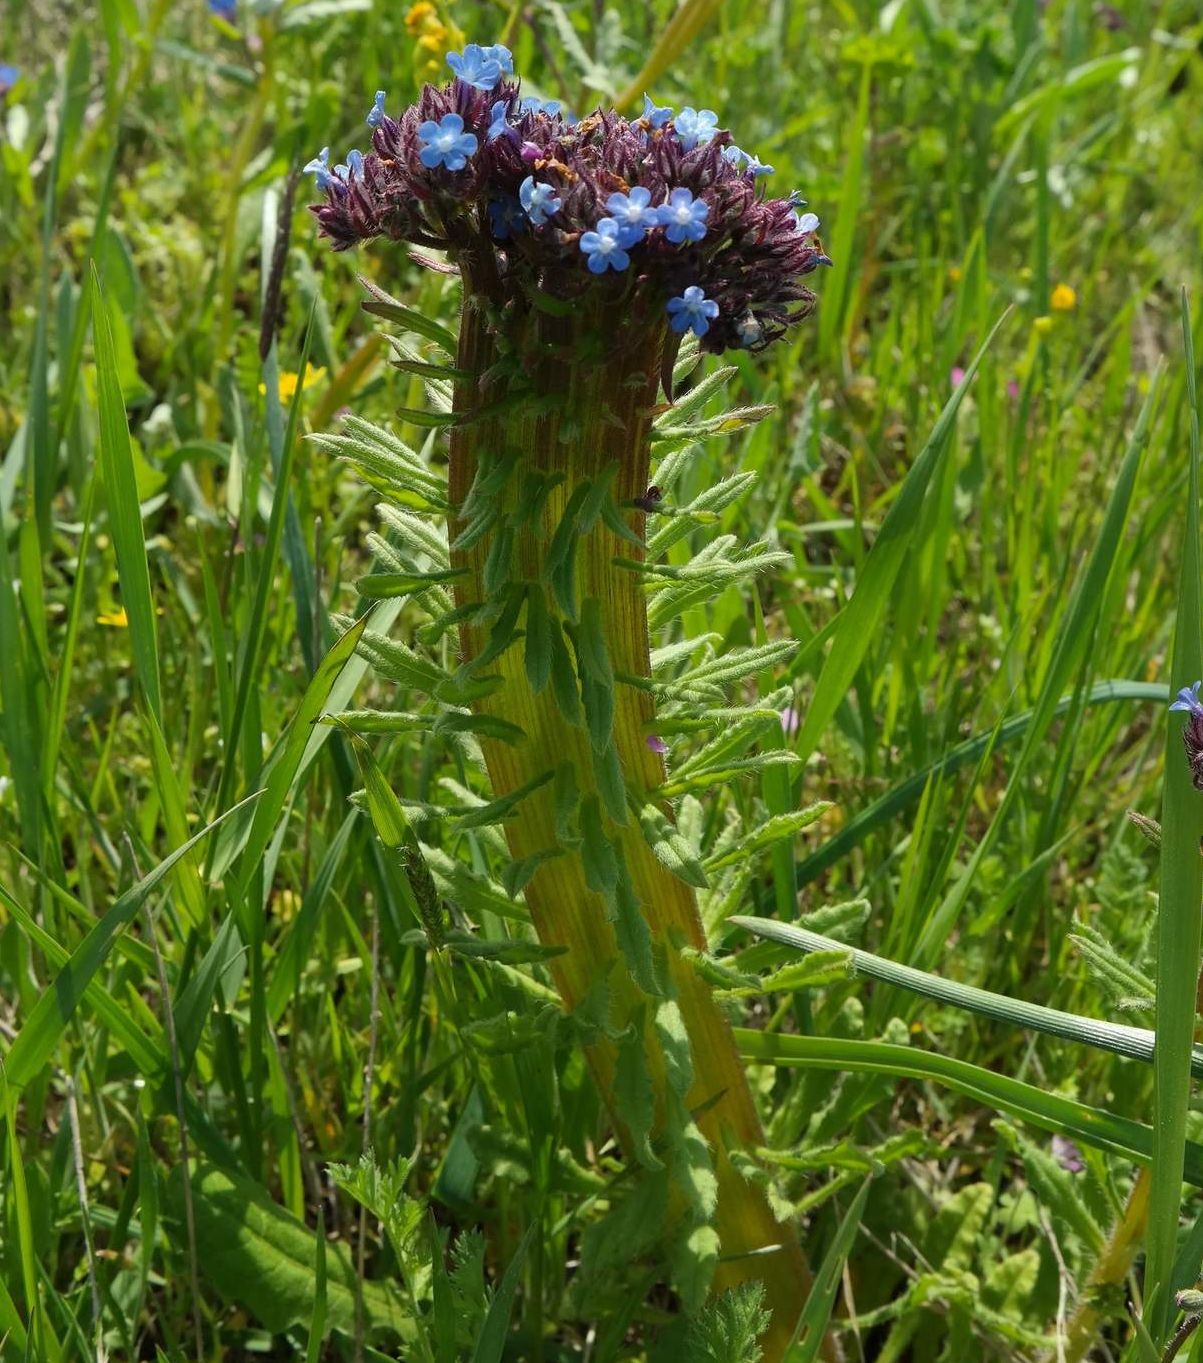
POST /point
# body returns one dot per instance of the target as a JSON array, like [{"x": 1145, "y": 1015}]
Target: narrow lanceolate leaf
[
  {"x": 1178, "y": 928},
  {"x": 125, "y": 512},
  {"x": 780, "y": 828},
  {"x": 858, "y": 623},
  {"x": 671, "y": 849},
  {"x": 812, "y": 1324}
]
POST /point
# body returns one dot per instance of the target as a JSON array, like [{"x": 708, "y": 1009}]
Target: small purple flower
[
  {"x": 376, "y": 113},
  {"x": 1012, "y": 389},
  {"x": 683, "y": 216},
  {"x": 538, "y": 199},
  {"x": 791, "y": 721},
  {"x": 1067, "y": 1155},
  {"x": 319, "y": 168},
  {"x": 956, "y": 376},
  {"x": 695, "y": 127},
  {"x": 693, "y": 311},
  {"x": 656, "y": 744},
  {"x": 476, "y": 66},
  {"x": 506, "y": 218},
  {"x": 605, "y": 247},
  {"x": 1188, "y": 700},
  {"x": 633, "y": 211},
  {"x": 445, "y": 143},
  {"x": 653, "y": 116}
]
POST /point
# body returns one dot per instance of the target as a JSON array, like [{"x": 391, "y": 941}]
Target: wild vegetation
[{"x": 286, "y": 1072}]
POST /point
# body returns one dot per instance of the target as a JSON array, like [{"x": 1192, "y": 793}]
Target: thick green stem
[{"x": 589, "y": 411}]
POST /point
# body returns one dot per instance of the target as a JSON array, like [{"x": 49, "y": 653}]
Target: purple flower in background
[
  {"x": 9, "y": 76},
  {"x": 791, "y": 721},
  {"x": 1067, "y": 1155},
  {"x": 956, "y": 376},
  {"x": 1012, "y": 389}
]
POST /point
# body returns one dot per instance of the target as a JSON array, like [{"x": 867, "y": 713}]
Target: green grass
[{"x": 217, "y": 957}]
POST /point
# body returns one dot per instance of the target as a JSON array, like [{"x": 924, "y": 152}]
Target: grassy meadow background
[{"x": 967, "y": 160}]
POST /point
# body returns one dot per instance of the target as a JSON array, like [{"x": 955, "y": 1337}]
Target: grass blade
[
  {"x": 812, "y": 1324},
  {"x": 1178, "y": 914}
]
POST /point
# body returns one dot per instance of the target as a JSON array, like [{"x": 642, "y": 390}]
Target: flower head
[
  {"x": 693, "y": 311},
  {"x": 1063, "y": 299},
  {"x": 683, "y": 216},
  {"x": 539, "y": 200},
  {"x": 376, "y": 113},
  {"x": 445, "y": 143},
  {"x": 605, "y": 248},
  {"x": 479, "y": 66},
  {"x": 695, "y": 127},
  {"x": 474, "y": 165}
]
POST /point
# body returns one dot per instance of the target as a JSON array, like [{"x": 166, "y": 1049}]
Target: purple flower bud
[{"x": 1067, "y": 1155}]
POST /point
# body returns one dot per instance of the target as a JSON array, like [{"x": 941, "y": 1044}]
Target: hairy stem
[{"x": 582, "y": 419}]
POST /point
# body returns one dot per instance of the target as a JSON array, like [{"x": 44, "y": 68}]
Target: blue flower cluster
[
  {"x": 482, "y": 67},
  {"x": 341, "y": 175}
]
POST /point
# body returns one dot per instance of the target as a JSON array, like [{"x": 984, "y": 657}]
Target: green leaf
[
  {"x": 125, "y": 512},
  {"x": 777, "y": 829},
  {"x": 490, "y": 1343},
  {"x": 35, "y": 1042},
  {"x": 510, "y": 950},
  {"x": 812, "y": 1324},
  {"x": 671, "y": 850},
  {"x": 1178, "y": 921},
  {"x": 381, "y": 304},
  {"x": 259, "y": 1257},
  {"x": 634, "y": 1097}
]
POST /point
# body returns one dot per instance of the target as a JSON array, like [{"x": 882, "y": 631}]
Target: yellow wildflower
[
  {"x": 1042, "y": 326},
  {"x": 117, "y": 619},
  {"x": 955, "y": 273},
  {"x": 433, "y": 38},
  {"x": 288, "y": 381},
  {"x": 1063, "y": 299}
]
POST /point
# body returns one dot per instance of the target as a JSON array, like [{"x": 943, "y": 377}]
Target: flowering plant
[{"x": 597, "y": 256}]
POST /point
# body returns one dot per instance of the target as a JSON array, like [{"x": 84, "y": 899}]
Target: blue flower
[
  {"x": 502, "y": 56},
  {"x": 376, "y": 113},
  {"x": 806, "y": 222},
  {"x": 531, "y": 105},
  {"x": 683, "y": 216},
  {"x": 605, "y": 247},
  {"x": 498, "y": 126},
  {"x": 653, "y": 116},
  {"x": 445, "y": 143},
  {"x": 738, "y": 157},
  {"x": 1188, "y": 699},
  {"x": 633, "y": 213},
  {"x": 693, "y": 311},
  {"x": 476, "y": 66},
  {"x": 506, "y": 217},
  {"x": 353, "y": 170},
  {"x": 538, "y": 199},
  {"x": 223, "y": 9},
  {"x": 319, "y": 168},
  {"x": 695, "y": 126}
]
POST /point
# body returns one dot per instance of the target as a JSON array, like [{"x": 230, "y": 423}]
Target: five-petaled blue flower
[
  {"x": 538, "y": 199},
  {"x": 693, "y": 311},
  {"x": 633, "y": 212},
  {"x": 655, "y": 116},
  {"x": 445, "y": 143},
  {"x": 684, "y": 217},
  {"x": 376, "y": 113},
  {"x": 1188, "y": 699},
  {"x": 478, "y": 66},
  {"x": 695, "y": 126},
  {"x": 806, "y": 222},
  {"x": 319, "y": 168},
  {"x": 506, "y": 217},
  {"x": 605, "y": 247},
  {"x": 531, "y": 105}
]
